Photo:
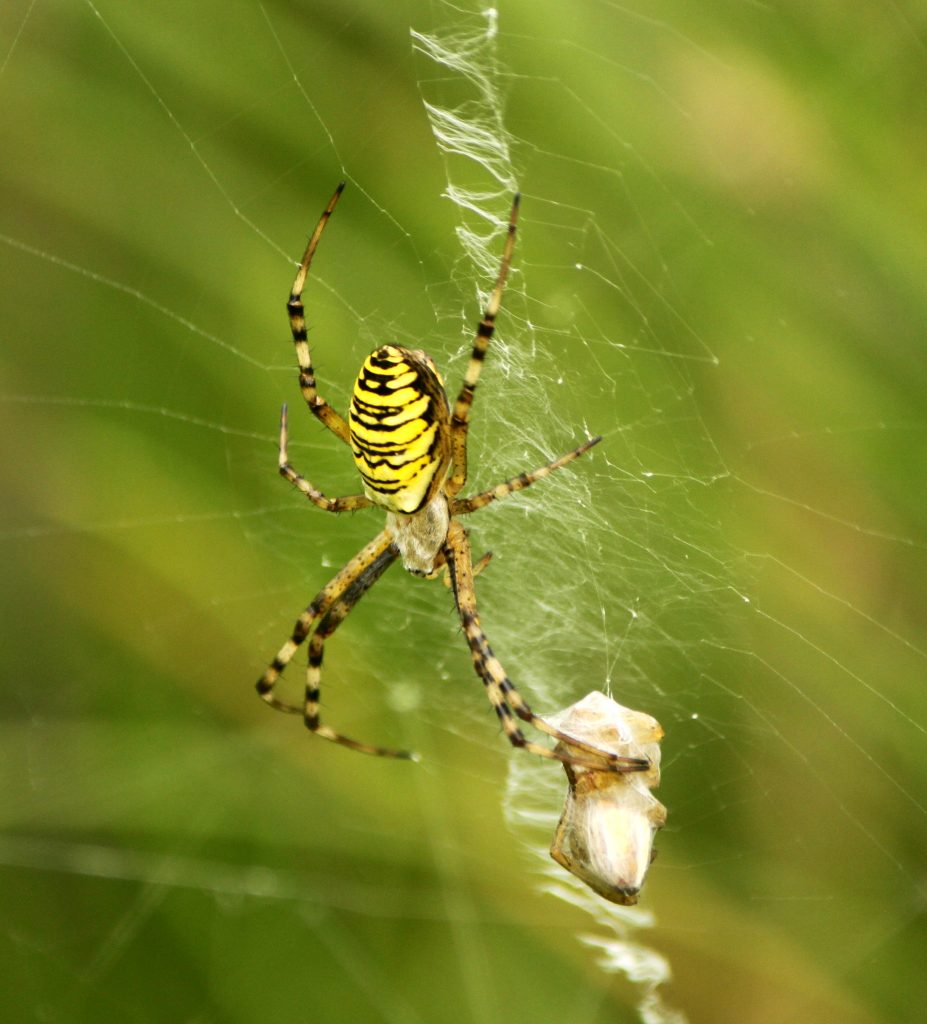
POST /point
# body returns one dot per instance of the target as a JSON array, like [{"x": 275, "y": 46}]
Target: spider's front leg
[
  {"x": 501, "y": 691},
  {"x": 328, "y": 609},
  {"x": 332, "y": 619}
]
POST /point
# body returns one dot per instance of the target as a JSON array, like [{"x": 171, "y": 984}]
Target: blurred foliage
[{"x": 752, "y": 175}]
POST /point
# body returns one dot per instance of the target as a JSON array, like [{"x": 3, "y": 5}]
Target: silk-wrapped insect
[{"x": 607, "y": 828}]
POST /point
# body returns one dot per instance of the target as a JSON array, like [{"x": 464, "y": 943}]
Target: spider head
[{"x": 400, "y": 428}]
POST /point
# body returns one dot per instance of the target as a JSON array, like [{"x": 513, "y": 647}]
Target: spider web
[{"x": 716, "y": 232}]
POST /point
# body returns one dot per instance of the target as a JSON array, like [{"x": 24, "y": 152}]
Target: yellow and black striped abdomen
[{"x": 400, "y": 428}]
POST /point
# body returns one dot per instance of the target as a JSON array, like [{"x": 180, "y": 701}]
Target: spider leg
[
  {"x": 332, "y": 619},
  {"x": 317, "y": 405},
  {"x": 501, "y": 691},
  {"x": 480, "y": 565},
  {"x": 462, "y": 506},
  {"x": 461, "y": 416},
  {"x": 317, "y": 607},
  {"x": 441, "y": 570},
  {"x": 348, "y": 504}
]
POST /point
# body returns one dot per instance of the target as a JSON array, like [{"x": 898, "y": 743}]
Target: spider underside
[{"x": 410, "y": 447}]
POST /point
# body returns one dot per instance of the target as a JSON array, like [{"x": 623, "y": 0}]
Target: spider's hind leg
[
  {"x": 317, "y": 404},
  {"x": 460, "y": 420}
]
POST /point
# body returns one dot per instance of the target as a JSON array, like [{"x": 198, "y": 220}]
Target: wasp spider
[{"x": 410, "y": 447}]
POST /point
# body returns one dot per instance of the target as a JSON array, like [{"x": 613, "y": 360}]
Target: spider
[{"x": 410, "y": 447}]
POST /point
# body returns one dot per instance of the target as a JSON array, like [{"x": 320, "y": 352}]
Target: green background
[{"x": 745, "y": 185}]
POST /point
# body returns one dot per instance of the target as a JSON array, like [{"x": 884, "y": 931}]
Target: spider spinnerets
[{"x": 410, "y": 447}]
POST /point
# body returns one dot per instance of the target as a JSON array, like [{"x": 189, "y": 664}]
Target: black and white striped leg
[
  {"x": 332, "y": 619},
  {"x": 348, "y": 504},
  {"x": 314, "y": 400},
  {"x": 460, "y": 419},
  {"x": 461, "y": 506},
  {"x": 317, "y": 607},
  {"x": 503, "y": 695}
]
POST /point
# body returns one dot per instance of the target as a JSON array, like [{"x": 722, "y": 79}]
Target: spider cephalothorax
[{"x": 410, "y": 447}]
